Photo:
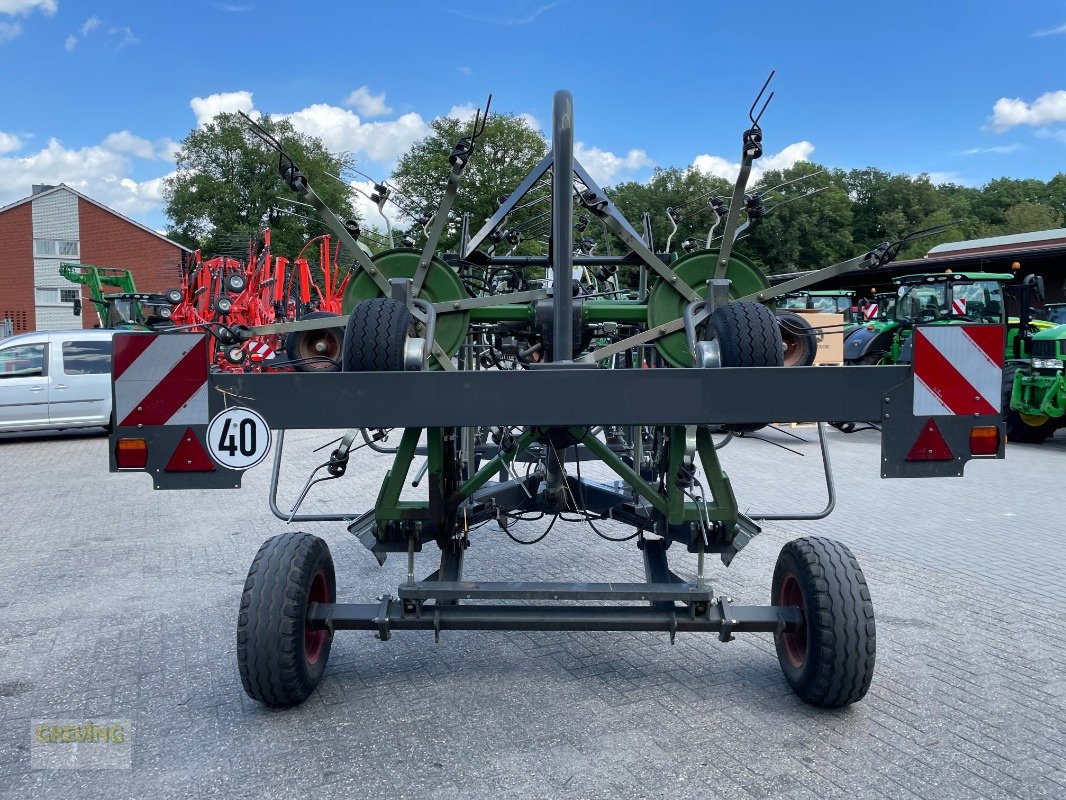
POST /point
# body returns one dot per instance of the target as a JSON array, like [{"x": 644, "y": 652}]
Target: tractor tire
[
  {"x": 828, "y": 660},
  {"x": 311, "y": 349},
  {"x": 280, "y": 659},
  {"x": 375, "y": 337},
  {"x": 1022, "y": 428},
  {"x": 801, "y": 343},
  {"x": 748, "y": 336}
]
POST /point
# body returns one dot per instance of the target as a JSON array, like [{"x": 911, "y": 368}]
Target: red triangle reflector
[
  {"x": 930, "y": 445},
  {"x": 190, "y": 456}
]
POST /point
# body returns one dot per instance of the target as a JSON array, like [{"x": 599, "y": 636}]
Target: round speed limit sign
[{"x": 238, "y": 438}]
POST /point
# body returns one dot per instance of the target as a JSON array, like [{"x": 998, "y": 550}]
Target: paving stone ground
[{"x": 119, "y": 602}]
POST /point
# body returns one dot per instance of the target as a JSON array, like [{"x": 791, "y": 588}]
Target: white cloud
[
  {"x": 1049, "y": 108},
  {"x": 127, "y": 37},
  {"x": 463, "y": 113},
  {"x": 91, "y": 24},
  {"x": 24, "y": 7},
  {"x": 604, "y": 165},
  {"x": 464, "y": 70},
  {"x": 100, "y": 171},
  {"x": 207, "y": 108},
  {"x": 9, "y": 31},
  {"x": 369, "y": 105},
  {"x": 724, "y": 168},
  {"x": 524, "y": 19},
  {"x": 341, "y": 130},
  {"x": 126, "y": 142},
  {"x": 1006, "y": 148},
  {"x": 166, "y": 149},
  {"x": 9, "y": 142},
  {"x": 1050, "y": 31}
]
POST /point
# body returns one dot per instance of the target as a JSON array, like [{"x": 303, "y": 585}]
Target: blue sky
[{"x": 97, "y": 93}]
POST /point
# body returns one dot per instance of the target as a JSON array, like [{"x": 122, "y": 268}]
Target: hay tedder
[{"x": 413, "y": 358}]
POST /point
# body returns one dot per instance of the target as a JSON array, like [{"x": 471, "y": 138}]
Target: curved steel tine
[{"x": 758, "y": 97}]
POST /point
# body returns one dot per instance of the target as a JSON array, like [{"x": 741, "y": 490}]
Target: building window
[
  {"x": 87, "y": 358},
  {"x": 62, "y": 248},
  {"x": 50, "y": 295}
]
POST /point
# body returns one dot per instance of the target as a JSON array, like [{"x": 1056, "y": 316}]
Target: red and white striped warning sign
[
  {"x": 870, "y": 311},
  {"x": 958, "y": 306},
  {"x": 958, "y": 369},
  {"x": 259, "y": 351},
  {"x": 160, "y": 379}
]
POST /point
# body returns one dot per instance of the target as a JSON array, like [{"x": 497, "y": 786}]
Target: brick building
[{"x": 56, "y": 224}]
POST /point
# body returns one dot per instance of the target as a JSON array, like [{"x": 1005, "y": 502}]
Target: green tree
[
  {"x": 506, "y": 152},
  {"x": 809, "y": 224},
  {"x": 1028, "y": 216},
  {"x": 227, "y": 184}
]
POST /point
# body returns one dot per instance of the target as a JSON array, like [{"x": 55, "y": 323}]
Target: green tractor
[
  {"x": 1033, "y": 377},
  {"x": 127, "y": 309},
  {"x": 1034, "y": 389}
]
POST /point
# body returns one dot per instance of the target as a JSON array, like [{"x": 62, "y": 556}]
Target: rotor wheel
[
  {"x": 318, "y": 350},
  {"x": 280, "y": 656},
  {"x": 666, "y": 304},
  {"x": 828, "y": 658},
  {"x": 442, "y": 285}
]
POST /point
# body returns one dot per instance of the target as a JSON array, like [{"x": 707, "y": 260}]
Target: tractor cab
[
  {"x": 950, "y": 297},
  {"x": 1055, "y": 313},
  {"x": 828, "y": 302},
  {"x": 943, "y": 298},
  {"x": 135, "y": 312}
]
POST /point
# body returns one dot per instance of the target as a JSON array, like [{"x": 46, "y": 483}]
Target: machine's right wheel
[
  {"x": 801, "y": 344},
  {"x": 280, "y": 658},
  {"x": 315, "y": 351},
  {"x": 828, "y": 659},
  {"x": 1023, "y": 428},
  {"x": 375, "y": 338}
]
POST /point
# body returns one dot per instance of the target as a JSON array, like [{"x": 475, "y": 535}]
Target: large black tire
[
  {"x": 280, "y": 659},
  {"x": 748, "y": 335},
  {"x": 829, "y": 659},
  {"x": 375, "y": 336},
  {"x": 315, "y": 351},
  {"x": 800, "y": 341},
  {"x": 1018, "y": 430}
]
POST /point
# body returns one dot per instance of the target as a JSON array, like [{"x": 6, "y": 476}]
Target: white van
[{"x": 56, "y": 379}]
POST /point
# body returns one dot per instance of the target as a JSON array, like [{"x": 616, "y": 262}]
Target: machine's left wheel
[
  {"x": 281, "y": 659},
  {"x": 828, "y": 659}
]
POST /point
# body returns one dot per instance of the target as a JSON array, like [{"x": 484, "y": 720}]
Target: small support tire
[
  {"x": 828, "y": 660},
  {"x": 748, "y": 336},
  {"x": 375, "y": 336},
  {"x": 280, "y": 658}
]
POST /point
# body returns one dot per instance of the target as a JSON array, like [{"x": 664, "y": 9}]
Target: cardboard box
[{"x": 829, "y": 331}]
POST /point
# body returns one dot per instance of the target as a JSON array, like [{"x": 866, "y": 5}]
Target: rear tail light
[
  {"x": 131, "y": 453},
  {"x": 984, "y": 441}
]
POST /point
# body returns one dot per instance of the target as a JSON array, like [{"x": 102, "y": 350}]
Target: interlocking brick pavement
[{"x": 120, "y": 602}]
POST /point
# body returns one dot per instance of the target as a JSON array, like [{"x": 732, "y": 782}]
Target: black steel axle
[{"x": 390, "y": 614}]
